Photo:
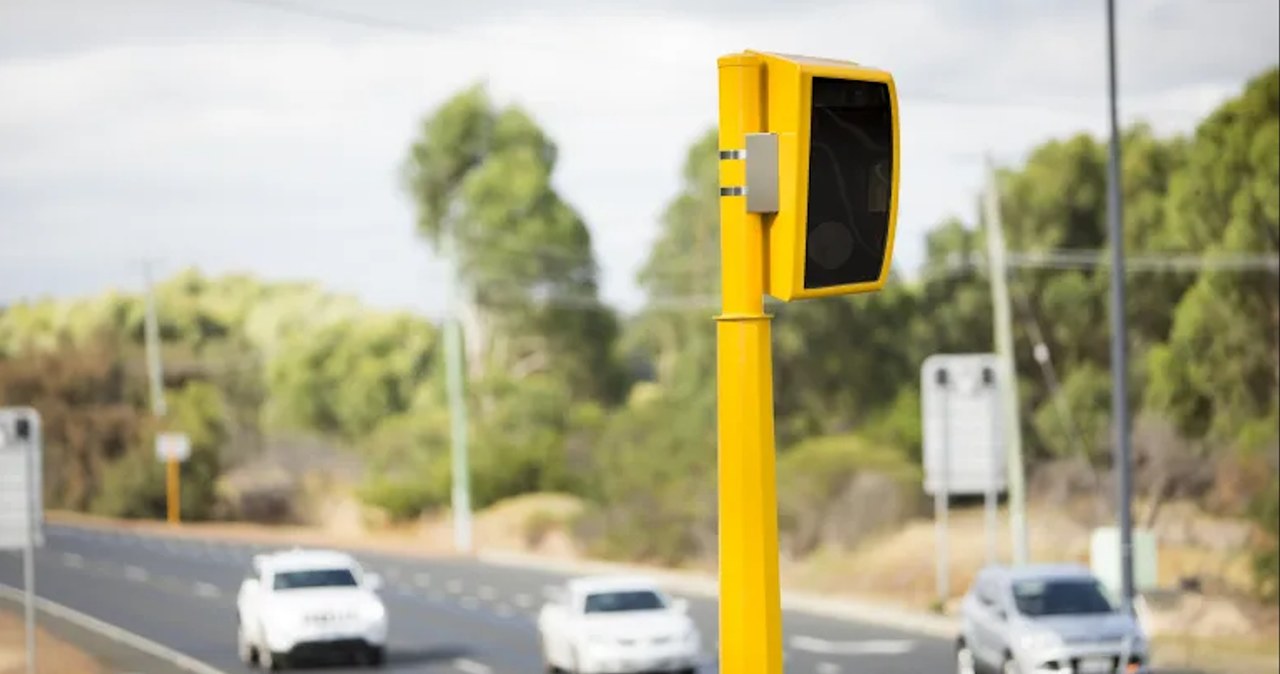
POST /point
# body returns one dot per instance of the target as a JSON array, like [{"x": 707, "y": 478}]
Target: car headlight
[
  {"x": 283, "y": 620},
  {"x": 373, "y": 611},
  {"x": 1040, "y": 641}
]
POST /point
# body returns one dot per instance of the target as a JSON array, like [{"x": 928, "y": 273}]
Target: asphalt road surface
[{"x": 448, "y": 616}]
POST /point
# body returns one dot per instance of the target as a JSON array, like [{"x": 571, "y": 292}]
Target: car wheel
[
  {"x": 965, "y": 663},
  {"x": 376, "y": 655},
  {"x": 270, "y": 661},
  {"x": 243, "y": 648}
]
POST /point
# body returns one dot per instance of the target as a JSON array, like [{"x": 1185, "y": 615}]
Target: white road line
[
  {"x": 469, "y": 603},
  {"x": 828, "y": 668},
  {"x": 207, "y": 591},
  {"x": 504, "y": 611},
  {"x": 72, "y": 560},
  {"x": 471, "y": 666},
  {"x": 871, "y": 647},
  {"x": 422, "y": 579},
  {"x": 487, "y": 593},
  {"x": 453, "y": 587},
  {"x": 114, "y": 633},
  {"x": 523, "y": 600},
  {"x": 136, "y": 573}
]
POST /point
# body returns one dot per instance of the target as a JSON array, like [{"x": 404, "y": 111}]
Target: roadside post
[
  {"x": 22, "y": 503},
  {"x": 808, "y": 204},
  {"x": 964, "y": 444},
  {"x": 173, "y": 449}
]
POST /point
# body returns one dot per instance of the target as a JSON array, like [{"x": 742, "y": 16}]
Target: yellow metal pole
[
  {"x": 750, "y": 614},
  {"x": 173, "y": 490}
]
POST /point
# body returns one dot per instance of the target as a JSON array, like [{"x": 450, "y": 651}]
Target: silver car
[{"x": 1038, "y": 619}]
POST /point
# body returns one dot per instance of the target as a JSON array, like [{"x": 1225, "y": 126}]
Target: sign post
[
  {"x": 964, "y": 447},
  {"x": 173, "y": 449},
  {"x": 808, "y": 203},
  {"x": 22, "y": 503}
]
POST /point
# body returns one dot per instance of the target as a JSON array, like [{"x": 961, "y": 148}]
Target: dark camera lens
[{"x": 23, "y": 429}]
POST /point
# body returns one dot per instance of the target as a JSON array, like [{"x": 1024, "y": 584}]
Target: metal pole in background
[
  {"x": 942, "y": 494},
  {"x": 457, "y": 406},
  {"x": 155, "y": 374},
  {"x": 989, "y": 381},
  {"x": 1007, "y": 373},
  {"x": 154, "y": 364},
  {"x": 28, "y": 550},
  {"x": 1119, "y": 330}
]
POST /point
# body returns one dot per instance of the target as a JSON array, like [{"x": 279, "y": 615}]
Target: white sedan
[
  {"x": 309, "y": 603},
  {"x": 617, "y": 625}
]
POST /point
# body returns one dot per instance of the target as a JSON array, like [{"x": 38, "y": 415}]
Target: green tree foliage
[
  {"x": 90, "y": 404},
  {"x": 1219, "y": 372},
  {"x": 134, "y": 485},
  {"x": 1266, "y": 560},
  {"x": 346, "y": 378},
  {"x": 815, "y": 479},
  {"x": 480, "y": 177}
]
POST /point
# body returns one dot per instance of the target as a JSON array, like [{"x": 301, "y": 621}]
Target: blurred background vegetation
[{"x": 568, "y": 396}]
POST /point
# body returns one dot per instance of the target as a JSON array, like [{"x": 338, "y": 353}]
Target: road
[{"x": 448, "y": 616}]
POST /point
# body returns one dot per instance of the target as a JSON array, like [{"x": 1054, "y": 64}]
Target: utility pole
[
  {"x": 1003, "y": 329},
  {"x": 155, "y": 373},
  {"x": 461, "y": 492},
  {"x": 1119, "y": 330},
  {"x": 152, "y": 336}
]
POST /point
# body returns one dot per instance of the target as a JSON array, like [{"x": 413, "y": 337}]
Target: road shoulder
[{"x": 83, "y": 643}]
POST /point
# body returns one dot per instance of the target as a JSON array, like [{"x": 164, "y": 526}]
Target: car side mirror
[
  {"x": 373, "y": 582},
  {"x": 680, "y": 605}
]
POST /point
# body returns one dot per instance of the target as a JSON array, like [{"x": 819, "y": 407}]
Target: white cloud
[{"x": 273, "y": 144}]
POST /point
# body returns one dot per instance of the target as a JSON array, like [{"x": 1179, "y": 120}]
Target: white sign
[
  {"x": 1104, "y": 559},
  {"x": 960, "y": 400},
  {"x": 173, "y": 447},
  {"x": 21, "y": 475}
]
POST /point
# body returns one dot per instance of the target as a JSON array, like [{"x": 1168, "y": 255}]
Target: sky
[{"x": 265, "y": 136}]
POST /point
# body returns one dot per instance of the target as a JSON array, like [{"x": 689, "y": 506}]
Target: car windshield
[
  {"x": 632, "y": 600},
  {"x": 1037, "y": 598},
  {"x": 296, "y": 580}
]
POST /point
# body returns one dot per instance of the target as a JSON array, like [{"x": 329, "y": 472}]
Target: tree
[
  {"x": 1219, "y": 373},
  {"x": 480, "y": 177},
  {"x": 348, "y": 377},
  {"x": 91, "y": 408}
]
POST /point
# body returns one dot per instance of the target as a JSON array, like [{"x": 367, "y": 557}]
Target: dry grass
[
  {"x": 55, "y": 655},
  {"x": 1219, "y": 655},
  {"x": 536, "y": 523}
]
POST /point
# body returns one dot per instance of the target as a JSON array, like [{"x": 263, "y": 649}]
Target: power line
[
  {"x": 1073, "y": 259},
  {"x": 341, "y": 16},
  {"x": 1089, "y": 259},
  {"x": 374, "y": 22}
]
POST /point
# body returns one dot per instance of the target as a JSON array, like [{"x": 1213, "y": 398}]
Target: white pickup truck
[
  {"x": 301, "y": 604},
  {"x": 608, "y": 625}
]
